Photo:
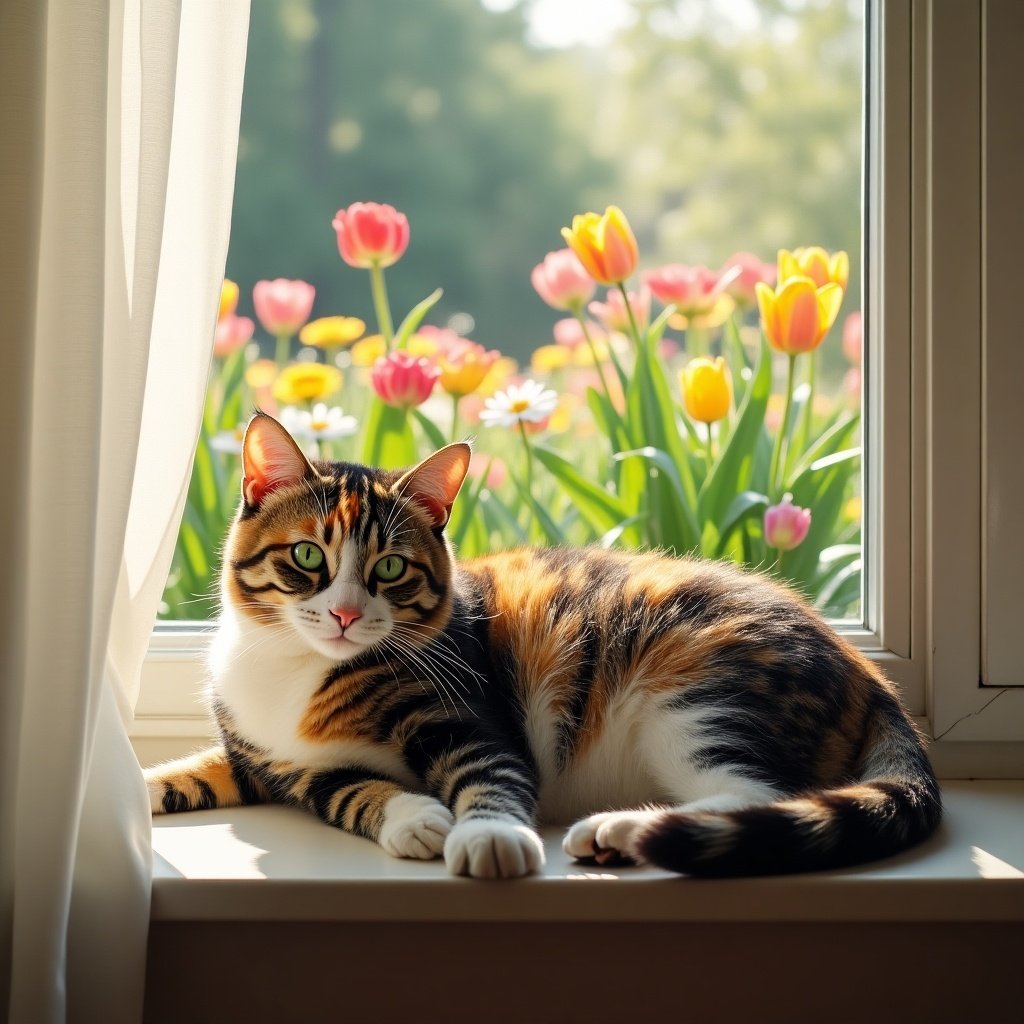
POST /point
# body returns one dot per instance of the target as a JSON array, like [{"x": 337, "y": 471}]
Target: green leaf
[
  {"x": 666, "y": 466},
  {"x": 742, "y": 507},
  {"x": 601, "y": 510},
  {"x": 733, "y": 472},
  {"x": 501, "y": 519},
  {"x": 430, "y": 428},
  {"x": 550, "y": 528},
  {"x": 834, "y": 439},
  {"x": 831, "y": 460},
  {"x": 415, "y": 317},
  {"x": 388, "y": 441},
  {"x": 619, "y": 530}
]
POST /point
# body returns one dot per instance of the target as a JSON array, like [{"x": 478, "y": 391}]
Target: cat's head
[{"x": 340, "y": 556}]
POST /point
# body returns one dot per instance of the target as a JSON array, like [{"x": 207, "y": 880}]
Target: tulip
[
  {"x": 332, "y": 331},
  {"x": 368, "y": 350},
  {"x": 232, "y": 333},
  {"x": 371, "y": 234},
  {"x": 786, "y": 524},
  {"x": 798, "y": 314},
  {"x": 613, "y": 313},
  {"x": 751, "y": 271},
  {"x": 550, "y": 357},
  {"x": 706, "y": 385},
  {"x": 228, "y": 299},
  {"x": 402, "y": 380},
  {"x": 283, "y": 307},
  {"x": 815, "y": 263},
  {"x": 694, "y": 291},
  {"x": 604, "y": 244},
  {"x": 562, "y": 281},
  {"x": 463, "y": 368}
]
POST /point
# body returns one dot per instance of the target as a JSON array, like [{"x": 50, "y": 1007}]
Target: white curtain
[{"x": 118, "y": 136}]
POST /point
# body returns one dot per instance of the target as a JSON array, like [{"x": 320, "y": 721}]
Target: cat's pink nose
[{"x": 346, "y": 616}]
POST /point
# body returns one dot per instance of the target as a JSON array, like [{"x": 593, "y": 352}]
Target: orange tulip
[
  {"x": 815, "y": 263},
  {"x": 796, "y": 316},
  {"x": 604, "y": 244}
]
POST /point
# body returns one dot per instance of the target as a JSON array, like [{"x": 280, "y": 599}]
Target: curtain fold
[{"x": 118, "y": 157}]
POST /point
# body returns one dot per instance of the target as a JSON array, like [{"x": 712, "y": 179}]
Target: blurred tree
[{"x": 436, "y": 108}]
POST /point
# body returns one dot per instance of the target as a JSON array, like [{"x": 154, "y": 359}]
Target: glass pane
[{"x": 718, "y": 129}]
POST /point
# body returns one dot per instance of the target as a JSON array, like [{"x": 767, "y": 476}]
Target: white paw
[
  {"x": 483, "y": 848},
  {"x": 415, "y": 826},
  {"x": 609, "y": 836}
]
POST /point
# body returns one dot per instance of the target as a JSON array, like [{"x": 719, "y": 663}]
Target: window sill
[{"x": 275, "y": 864}]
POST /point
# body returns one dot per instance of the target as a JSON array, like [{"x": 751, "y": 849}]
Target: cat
[{"x": 685, "y": 714}]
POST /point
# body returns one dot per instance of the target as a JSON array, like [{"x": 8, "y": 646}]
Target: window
[{"x": 915, "y": 601}]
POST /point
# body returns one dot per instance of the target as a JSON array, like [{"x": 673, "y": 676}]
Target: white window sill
[{"x": 280, "y": 864}]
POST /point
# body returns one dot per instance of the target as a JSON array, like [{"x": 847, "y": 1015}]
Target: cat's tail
[{"x": 893, "y": 805}]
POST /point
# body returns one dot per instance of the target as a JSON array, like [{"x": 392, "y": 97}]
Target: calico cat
[{"x": 683, "y": 713}]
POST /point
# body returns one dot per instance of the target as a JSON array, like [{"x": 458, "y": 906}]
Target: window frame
[{"x": 927, "y": 252}]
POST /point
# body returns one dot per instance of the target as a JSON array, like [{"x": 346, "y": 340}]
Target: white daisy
[
  {"x": 322, "y": 424},
  {"x": 529, "y": 402}
]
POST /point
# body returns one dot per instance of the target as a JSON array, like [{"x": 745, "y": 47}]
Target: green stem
[
  {"x": 380, "y": 305},
  {"x": 709, "y": 450},
  {"x": 529, "y": 457},
  {"x": 283, "y": 347},
  {"x": 578, "y": 312},
  {"x": 803, "y": 432},
  {"x": 634, "y": 328},
  {"x": 775, "y": 487},
  {"x": 455, "y": 418}
]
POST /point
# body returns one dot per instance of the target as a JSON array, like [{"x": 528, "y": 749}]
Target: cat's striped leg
[
  {"x": 199, "y": 782},
  {"x": 493, "y": 794},
  {"x": 375, "y": 807}
]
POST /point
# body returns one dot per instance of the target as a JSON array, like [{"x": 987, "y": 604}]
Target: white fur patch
[
  {"x": 156, "y": 793},
  {"x": 415, "y": 826},
  {"x": 493, "y": 849}
]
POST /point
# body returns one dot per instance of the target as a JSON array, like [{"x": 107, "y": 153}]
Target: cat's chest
[{"x": 268, "y": 698}]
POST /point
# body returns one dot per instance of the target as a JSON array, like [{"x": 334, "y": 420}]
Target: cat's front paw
[
  {"x": 609, "y": 837},
  {"x": 157, "y": 791},
  {"x": 493, "y": 849},
  {"x": 415, "y": 826}
]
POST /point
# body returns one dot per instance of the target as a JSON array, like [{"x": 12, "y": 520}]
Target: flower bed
[{"x": 631, "y": 429}]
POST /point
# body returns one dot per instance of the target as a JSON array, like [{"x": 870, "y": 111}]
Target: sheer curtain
[{"x": 118, "y": 135}]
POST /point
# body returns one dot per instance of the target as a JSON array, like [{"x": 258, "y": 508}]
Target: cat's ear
[
  {"x": 435, "y": 482},
  {"x": 270, "y": 459}
]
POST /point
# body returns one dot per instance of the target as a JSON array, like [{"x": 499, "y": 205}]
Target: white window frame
[{"x": 938, "y": 334}]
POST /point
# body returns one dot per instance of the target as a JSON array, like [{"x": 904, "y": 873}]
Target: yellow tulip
[
  {"x": 706, "y": 385},
  {"x": 228, "y": 298},
  {"x": 368, "y": 350},
  {"x": 815, "y": 263},
  {"x": 306, "y": 382},
  {"x": 550, "y": 357},
  {"x": 464, "y": 367},
  {"x": 332, "y": 331},
  {"x": 796, "y": 316},
  {"x": 605, "y": 245}
]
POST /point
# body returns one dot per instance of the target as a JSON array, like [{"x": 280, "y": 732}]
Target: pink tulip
[
  {"x": 853, "y": 337},
  {"x": 693, "y": 290},
  {"x": 444, "y": 338},
  {"x": 402, "y": 380},
  {"x": 283, "y": 306},
  {"x": 612, "y": 312},
  {"x": 561, "y": 280},
  {"x": 786, "y": 524},
  {"x": 232, "y": 333},
  {"x": 751, "y": 270},
  {"x": 371, "y": 234}
]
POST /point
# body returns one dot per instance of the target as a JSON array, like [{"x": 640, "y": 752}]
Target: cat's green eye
[
  {"x": 389, "y": 568},
  {"x": 307, "y": 556}
]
